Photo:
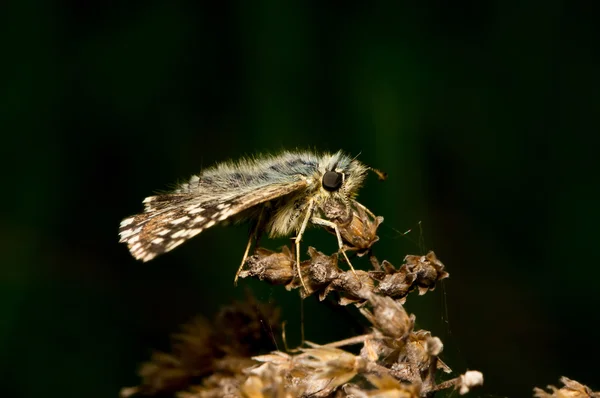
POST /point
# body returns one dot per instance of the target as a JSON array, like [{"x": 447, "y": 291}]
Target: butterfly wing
[{"x": 171, "y": 219}]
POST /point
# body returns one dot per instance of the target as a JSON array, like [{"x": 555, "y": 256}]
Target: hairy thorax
[{"x": 291, "y": 211}]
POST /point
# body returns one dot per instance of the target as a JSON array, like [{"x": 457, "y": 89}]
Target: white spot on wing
[
  {"x": 126, "y": 234},
  {"x": 180, "y": 233},
  {"x": 147, "y": 257},
  {"x": 180, "y": 220},
  {"x": 127, "y": 221},
  {"x": 172, "y": 245},
  {"x": 225, "y": 215}
]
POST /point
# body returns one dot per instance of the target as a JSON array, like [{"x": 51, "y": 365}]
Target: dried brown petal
[
  {"x": 277, "y": 358},
  {"x": 268, "y": 381},
  {"x": 331, "y": 367},
  {"x": 571, "y": 389},
  {"x": 388, "y": 387},
  {"x": 371, "y": 350}
]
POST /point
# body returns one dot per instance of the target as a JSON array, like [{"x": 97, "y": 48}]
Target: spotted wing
[{"x": 171, "y": 219}]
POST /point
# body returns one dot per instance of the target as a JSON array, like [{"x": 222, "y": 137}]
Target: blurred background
[{"x": 484, "y": 115}]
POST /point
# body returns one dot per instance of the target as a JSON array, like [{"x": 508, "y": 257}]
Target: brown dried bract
[
  {"x": 266, "y": 265},
  {"x": 429, "y": 270},
  {"x": 225, "y": 358},
  {"x": 571, "y": 389},
  {"x": 422, "y": 272},
  {"x": 322, "y": 275},
  {"x": 360, "y": 234}
]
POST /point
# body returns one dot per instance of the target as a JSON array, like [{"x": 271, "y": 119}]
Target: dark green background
[{"x": 484, "y": 114}]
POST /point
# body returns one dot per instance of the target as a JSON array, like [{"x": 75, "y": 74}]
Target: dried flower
[
  {"x": 429, "y": 270},
  {"x": 330, "y": 368},
  {"x": 360, "y": 234},
  {"x": 572, "y": 389},
  {"x": 225, "y": 357},
  {"x": 266, "y": 265},
  {"x": 389, "y": 317},
  {"x": 268, "y": 381},
  {"x": 422, "y": 272}
]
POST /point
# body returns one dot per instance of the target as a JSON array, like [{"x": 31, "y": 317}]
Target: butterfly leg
[
  {"x": 237, "y": 274},
  {"x": 253, "y": 236},
  {"x": 309, "y": 211},
  {"x": 332, "y": 225}
]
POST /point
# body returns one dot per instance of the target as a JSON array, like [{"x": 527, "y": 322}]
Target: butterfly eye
[{"x": 332, "y": 181}]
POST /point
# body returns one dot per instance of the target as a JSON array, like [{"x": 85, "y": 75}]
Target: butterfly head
[
  {"x": 340, "y": 178},
  {"x": 341, "y": 175}
]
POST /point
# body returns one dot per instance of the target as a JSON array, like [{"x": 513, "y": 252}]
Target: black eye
[{"x": 332, "y": 181}]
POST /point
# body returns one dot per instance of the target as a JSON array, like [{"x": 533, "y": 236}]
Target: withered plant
[{"x": 394, "y": 360}]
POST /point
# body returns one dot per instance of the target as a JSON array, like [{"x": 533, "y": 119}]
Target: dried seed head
[
  {"x": 353, "y": 287},
  {"x": 322, "y": 269},
  {"x": 317, "y": 272},
  {"x": 273, "y": 267},
  {"x": 419, "y": 348},
  {"x": 361, "y": 232},
  {"x": 331, "y": 367},
  {"x": 389, "y": 317},
  {"x": 392, "y": 283},
  {"x": 428, "y": 269}
]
